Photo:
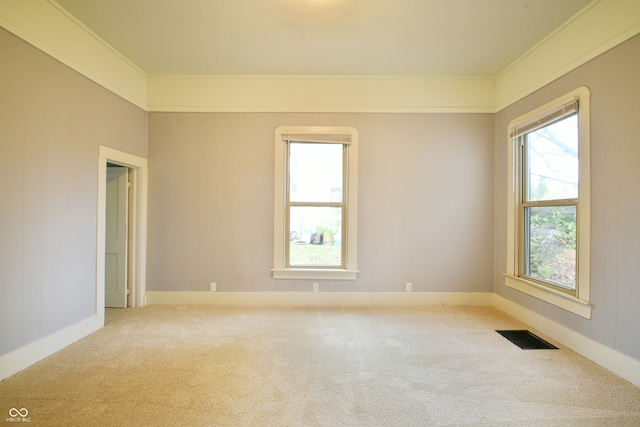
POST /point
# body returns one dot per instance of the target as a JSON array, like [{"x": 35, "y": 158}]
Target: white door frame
[{"x": 137, "y": 225}]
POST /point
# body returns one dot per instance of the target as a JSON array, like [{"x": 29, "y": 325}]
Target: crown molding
[
  {"x": 598, "y": 27},
  {"x": 339, "y": 94},
  {"x": 50, "y": 28}
]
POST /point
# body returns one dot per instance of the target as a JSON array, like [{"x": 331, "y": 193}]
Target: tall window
[
  {"x": 315, "y": 203},
  {"x": 549, "y": 203}
]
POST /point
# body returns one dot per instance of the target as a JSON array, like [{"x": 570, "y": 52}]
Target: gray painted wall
[
  {"x": 613, "y": 79},
  {"x": 51, "y": 122},
  {"x": 425, "y": 201}
]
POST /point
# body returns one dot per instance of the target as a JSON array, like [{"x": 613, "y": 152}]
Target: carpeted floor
[{"x": 212, "y": 366}]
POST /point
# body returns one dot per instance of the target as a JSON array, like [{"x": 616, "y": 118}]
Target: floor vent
[{"x": 527, "y": 340}]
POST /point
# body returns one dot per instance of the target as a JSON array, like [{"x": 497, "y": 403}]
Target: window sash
[
  {"x": 524, "y": 266},
  {"x": 323, "y": 139},
  {"x": 563, "y": 186},
  {"x": 521, "y": 132}
]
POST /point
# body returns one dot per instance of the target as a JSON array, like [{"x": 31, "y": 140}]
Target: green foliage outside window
[{"x": 552, "y": 244}]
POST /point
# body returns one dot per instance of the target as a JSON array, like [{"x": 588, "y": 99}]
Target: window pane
[
  {"x": 315, "y": 172},
  {"x": 551, "y": 244},
  {"x": 552, "y": 161},
  {"x": 315, "y": 236}
]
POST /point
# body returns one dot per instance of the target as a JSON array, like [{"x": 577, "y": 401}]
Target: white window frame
[
  {"x": 577, "y": 302},
  {"x": 349, "y": 137}
]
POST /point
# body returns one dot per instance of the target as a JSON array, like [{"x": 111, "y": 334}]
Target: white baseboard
[
  {"x": 31, "y": 353},
  {"x": 320, "y": 299},
  {"x": 620, "y": 364}
]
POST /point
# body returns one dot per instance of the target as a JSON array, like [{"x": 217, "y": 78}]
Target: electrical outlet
[
  {"x": 408, "y": 287},
  {"x": 315, "y": 287},
  {"x": 213, "y": 287}
]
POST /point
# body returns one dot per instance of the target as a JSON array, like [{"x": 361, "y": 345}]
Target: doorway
[
  {"x": 121, "y": 243},
  {"x": 116, "y": 263}
]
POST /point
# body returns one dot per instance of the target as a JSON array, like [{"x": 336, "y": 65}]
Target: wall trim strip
[
  {"x": 31, "y": 353},
  {"x": 608, "y": 358},
  {"x": 320, "y": 299}
]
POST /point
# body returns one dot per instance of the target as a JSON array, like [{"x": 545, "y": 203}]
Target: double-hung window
[
  {"x": 315, "y": 203},
  {"x": 548, "y": 248}
]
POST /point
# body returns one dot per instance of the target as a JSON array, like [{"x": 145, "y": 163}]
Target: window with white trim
[
  {"x": 315, "y": 203},
  {"x": 548, "y": 234}
]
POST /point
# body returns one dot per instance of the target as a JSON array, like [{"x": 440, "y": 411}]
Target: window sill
[
  {"x": 315, "y": 274},
  {"x": 560, "y": 299}
]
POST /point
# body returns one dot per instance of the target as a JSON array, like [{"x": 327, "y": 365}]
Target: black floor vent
[{"x": 527, "y": 340}]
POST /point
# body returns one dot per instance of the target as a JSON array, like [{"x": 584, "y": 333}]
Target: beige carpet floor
[{"x": 212, "y": 366}]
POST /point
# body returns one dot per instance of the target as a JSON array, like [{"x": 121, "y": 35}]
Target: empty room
[{"x": 319, "y": 212}]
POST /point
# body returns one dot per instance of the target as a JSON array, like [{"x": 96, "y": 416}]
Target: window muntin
[
  {"x": 315, "y": 214},
  {"x": 549, "y": 174}
]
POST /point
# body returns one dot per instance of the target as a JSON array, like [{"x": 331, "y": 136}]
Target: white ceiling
[{"x": 323, "y": 37}]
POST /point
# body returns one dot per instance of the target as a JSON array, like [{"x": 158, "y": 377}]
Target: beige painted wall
[
  {"x": 615, "y": 198},
  {"x": 425, "y": 201},
  {"x": 52, "y": 120}
]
